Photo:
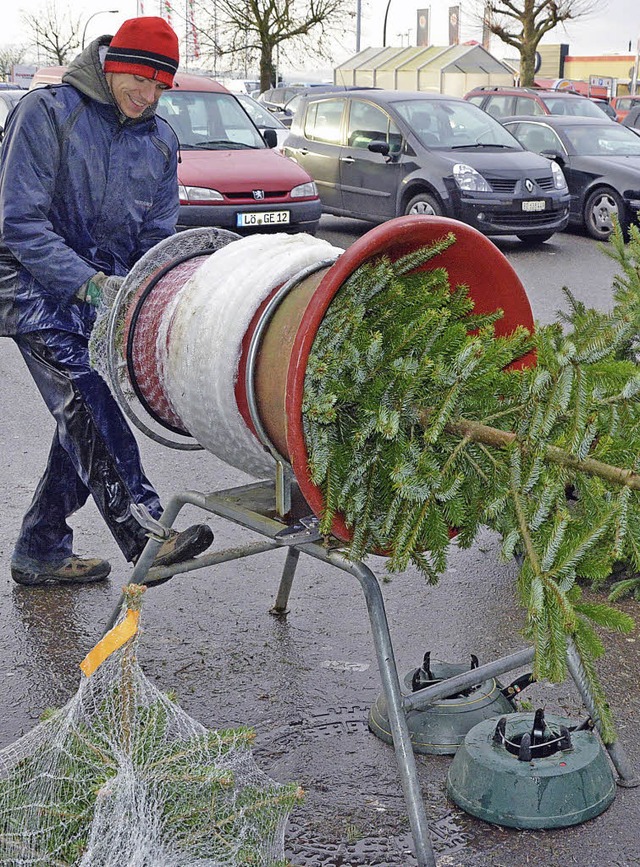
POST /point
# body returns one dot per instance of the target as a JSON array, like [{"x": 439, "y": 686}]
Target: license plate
[
  {"x": 538, "y": 205},
  {"x": 262, "y": 218}
]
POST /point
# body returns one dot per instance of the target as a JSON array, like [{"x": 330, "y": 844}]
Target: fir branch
[{"x": 478, "y": 432}]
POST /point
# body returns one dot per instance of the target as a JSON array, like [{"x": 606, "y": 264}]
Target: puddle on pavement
[{"x": 305, "y": 849}]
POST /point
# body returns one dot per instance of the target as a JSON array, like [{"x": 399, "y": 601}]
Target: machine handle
[{"x": 517, "y": 686}]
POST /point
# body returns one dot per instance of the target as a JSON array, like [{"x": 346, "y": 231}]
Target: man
[{"x": 88, "y": 184}]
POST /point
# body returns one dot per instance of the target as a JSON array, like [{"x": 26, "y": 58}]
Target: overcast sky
[{"x": 610, "y": 29}]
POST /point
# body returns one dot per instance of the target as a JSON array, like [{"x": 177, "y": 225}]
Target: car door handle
[
  {"x": 347, "y": 159},
  {"x": 303, "y": 152}
]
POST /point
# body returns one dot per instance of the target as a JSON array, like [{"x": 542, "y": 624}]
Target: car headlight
[
  {"x": 304, "y": 190},
  {"x": 467, "y": 178},
  {"x": 198, "y": 194},
  {"x": 559, "y": 180}
]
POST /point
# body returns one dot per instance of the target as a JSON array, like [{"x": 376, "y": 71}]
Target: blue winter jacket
[{"x": 82, "y": 189}]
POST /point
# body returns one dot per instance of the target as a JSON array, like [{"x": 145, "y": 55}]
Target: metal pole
[
  {"x": 358, "y": 24},
  {"x": 102, "y": 12},
  {"x": 280, "y": 606},
  {"x": 384, "y": 26},
  {"x": 445, "y": 688},
  {"x": 391, "y": 687},
  {"x": 215, "y": 39},
  {"x": 627, "y": 777},
  {"x": 186, "y": 34}
]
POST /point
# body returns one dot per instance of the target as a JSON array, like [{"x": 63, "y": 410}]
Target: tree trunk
[
  {"x": 529, "y": 45},
  {"x": 267, "y": 71},
  {"x": 527, "y": 65}
]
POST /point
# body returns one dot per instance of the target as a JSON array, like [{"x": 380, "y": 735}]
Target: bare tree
[
  {"x": 523, "y": 23},
  {"x": 54, "y": 33},
  {"x": 10, "y": 55},
  {"x": 257, "y": 30}
]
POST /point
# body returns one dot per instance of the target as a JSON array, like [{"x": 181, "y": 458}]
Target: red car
[
  {"x": 229, "y": 176},
  {"x": 622, "y": 105}
]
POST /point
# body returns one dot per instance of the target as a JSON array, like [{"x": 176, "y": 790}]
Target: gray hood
[{"x": 86, "y": 74}]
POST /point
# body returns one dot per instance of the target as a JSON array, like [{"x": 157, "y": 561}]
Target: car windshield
[
  {"x": 208, "y": 120},
  {"x": 578, "y": 107},
  {"x": 607, "y": 140},
  {"x": 441, "y": 124}
]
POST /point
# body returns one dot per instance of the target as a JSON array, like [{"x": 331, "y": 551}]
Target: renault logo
[
  {"x": 529, "y": 185},
  {"x": 258, "y": 194}
]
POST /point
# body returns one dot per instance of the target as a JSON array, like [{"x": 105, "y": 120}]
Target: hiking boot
[
  {"x": 177, "y": 548},
  {"x": 183, "y": 546},
  {"x": 73, "y": 570}
]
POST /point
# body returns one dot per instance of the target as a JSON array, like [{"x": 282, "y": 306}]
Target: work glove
[{"x": 100, "y": 289}]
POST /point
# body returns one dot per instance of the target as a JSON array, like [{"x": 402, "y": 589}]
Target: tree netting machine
[{"x": 206, "y": 347}]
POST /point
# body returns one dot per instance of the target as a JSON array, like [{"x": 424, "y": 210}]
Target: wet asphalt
[{"x": 304, "y": 681}]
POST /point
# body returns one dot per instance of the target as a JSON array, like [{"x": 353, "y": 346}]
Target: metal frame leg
[
  {"x": 617, "y": 754},
  {"x": 401, "y": 740},
  {"x": 224, "y": 505},
  {"x": 405, "y": 757},
  {"x": 280, "y": 606}
]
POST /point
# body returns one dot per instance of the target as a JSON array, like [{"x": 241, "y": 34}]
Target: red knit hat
[{"x": 144, "y": 46}]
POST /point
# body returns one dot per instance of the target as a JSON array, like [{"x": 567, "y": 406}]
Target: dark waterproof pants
[{"x": 93, "y": 452}]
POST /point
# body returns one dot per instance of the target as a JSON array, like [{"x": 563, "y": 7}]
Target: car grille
[
  {"x": 269, "y": 195},
  {"x": 545, "y": 183},
  {"x": 503, "y": 185},
  {"x": 508, "y": 185},
  {"x": 522, "y": 218}
]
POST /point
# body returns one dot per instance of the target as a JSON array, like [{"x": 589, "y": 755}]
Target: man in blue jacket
[{"x": 88, "y": 184}]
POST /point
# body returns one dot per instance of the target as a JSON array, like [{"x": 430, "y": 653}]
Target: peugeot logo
[
  {"x": 528, "y": 184},
  {"x": 258, "y": 194}
]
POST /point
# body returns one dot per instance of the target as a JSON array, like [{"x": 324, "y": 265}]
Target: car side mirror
[
  {"x": 554, "y": 155},
  {"x": 379, "y": 147},
  {"x": 270, "y": 137}
]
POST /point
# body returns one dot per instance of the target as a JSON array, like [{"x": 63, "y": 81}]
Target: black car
[
  {"x": 378, "y": 154},
  {"x": 600, "y": 160}
]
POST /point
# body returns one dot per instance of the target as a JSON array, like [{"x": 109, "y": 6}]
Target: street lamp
[
  {"x": 384, "y": 26},
  {"x": 101, "y": 12}
]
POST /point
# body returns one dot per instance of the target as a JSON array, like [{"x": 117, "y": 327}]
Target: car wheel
[
  {"x": 538, "y": 238},
  {"x": 599, "y": 210},
  {"x": 424, "y": 204}
]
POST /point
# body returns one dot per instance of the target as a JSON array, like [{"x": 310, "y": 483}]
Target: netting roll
[
  {"x": 123, "y": 777},
  {"x": 183, "y": 362}
]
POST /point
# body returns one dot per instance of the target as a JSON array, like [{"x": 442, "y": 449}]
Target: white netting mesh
[
  {"x": 106, "y": 343},
  {"x": 200, "y": 332},
  {"x": 123, "y": 777}
]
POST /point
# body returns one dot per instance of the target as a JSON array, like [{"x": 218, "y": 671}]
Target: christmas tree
[{"x": 419, "y": 427}]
